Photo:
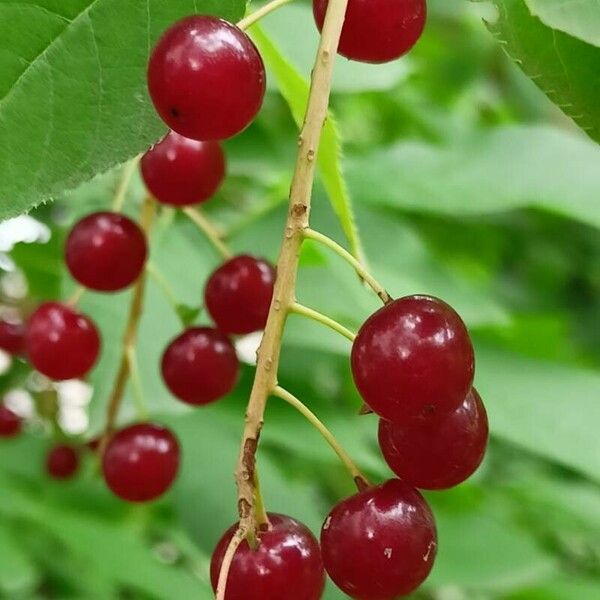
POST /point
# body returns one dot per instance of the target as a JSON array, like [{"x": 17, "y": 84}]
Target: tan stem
[
  {"x": 129, "y": 337},
  {"x": 234, "y": 544},
  {"x": 265, "y": 379}
]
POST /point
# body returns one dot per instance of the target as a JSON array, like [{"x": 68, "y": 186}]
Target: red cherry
[
  {"x": 179, "y": 171},
  {"x": 412, "y": 357},
  {"x": 200, "y": 366},
  {"x": 106, "y": 251},
  {"x": 238, "y": 294},
  {"x": 62, "y": 462},
  {"x": 380, "y": 543},
  {"x": 11, "y": 337},
  {"x": 287, "y": 564},
  {"x": 141, "y": 462},
  {"x": 377, "y": 31},
  {"x": 206, "y": 78},
  {"x": 435, "y": 452},
  {"x": 61, "y": 343},
  {"x": 10, "y": 423}
]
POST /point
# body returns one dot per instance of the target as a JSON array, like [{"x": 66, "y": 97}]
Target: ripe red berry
[
  {"x": 61, "y": 343},
  {"x": 238, "y": 294},
  {"x": 180, "y": 171},
  {"x": 206, "y": 78},
  {"x": 287, "y": 564},
  {"x": 200, "y": 366},
  {"x": 141, "y": 462},
  {"x": 435, "y": 452},
  {"x": 413, "y": 357},
  {"x": 10, "y": 423},
  {"x": 11, "y": 336},
  {"x": 62, "y": 462},
  {"x": 377, "y": 31},
  {"x": 106, "y": 251},
  {"x": 380, "y": 543}
]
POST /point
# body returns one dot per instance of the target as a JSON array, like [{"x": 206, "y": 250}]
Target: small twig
[
  {"x": 258, "y": 14},
  {"x": 210, "y": 231},
  {"x": 360, "y": 480},
  {"x": 128, "y": 171},
  {"x": 311, "y": 234},
  {"x": 234, "y": 544},
  {"x": 300, "y": 309}
]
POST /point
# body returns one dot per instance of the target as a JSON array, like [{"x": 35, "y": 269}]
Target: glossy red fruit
[
  {"x": 413, "y": 357},
  {"x": 200, "y": 366},
  {"x": 106, "y": 251},
  {"x": 12, "y": 337},
  {"x": 238, "y": 294},
  {"x": 206, "y": 78},
  {"x": 380, "y": 544},
  {"x": 377, "y": 31},
  {"x": 10, "y": 423},
  {"x": 180, "y": 171},
  {"x": 287, "y": 564},
  {"x": 62, "y": 462},
  {"x": 435, "y": 452},
  {"x": 141, "y": 462},
  {"x": 60, "y": 342}
]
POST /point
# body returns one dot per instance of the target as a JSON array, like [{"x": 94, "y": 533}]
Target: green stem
[
  {"x": 209, "y": 230},
  {"x": 163, "y": 284},
  {"x": 76, "y": 296},
  {"x": 300, "y": 309},
  {"x": 360, "y": 480},
  {"x": 123, "y": 186},
  {"x": 311, "y": 234},
  {"x": 258, "y": 14},
  {"x": 136, "y": 382}
]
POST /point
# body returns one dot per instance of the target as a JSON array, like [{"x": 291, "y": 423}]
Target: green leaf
[
  {"x": 188, "y": 314},
  {"x": 73, "y": 99},
  {"x": 295, "y": 90},
  {"x": 18, "y": 575},
  {"x": 506, "y": 556},
  {"x": 544, "y": 407},
  {"x": 505, "y": 169},
  {"x": 566, "y": 69},
  {"x": 580, "y": 19}
]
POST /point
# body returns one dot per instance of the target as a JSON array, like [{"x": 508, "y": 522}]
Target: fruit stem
[
  {"x": 163, "y": 284},
  {"x": 261, "y": 512},
  {"x": 136, "y": 380},
  {"x": 76, "y": 296},
  {"x": 311, "y": 234},
  {"x": 129, "y": 337},
  {"x": 121, "y": 191},
  {"x": 234, "y": 544},
  {"x": 360, "y": 480},
  {"x": 258, "y": 14},
  {"x": 265, "y": 379},
  {"x": 210, "y": 231},
  {"x": 300, "y": 309}
]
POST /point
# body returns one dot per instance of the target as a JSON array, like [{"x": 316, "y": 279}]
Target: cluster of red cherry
[{"x": 412, "y": 361}]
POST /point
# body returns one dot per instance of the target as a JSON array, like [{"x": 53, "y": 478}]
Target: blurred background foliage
[{"x": 467, "y": 183}]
